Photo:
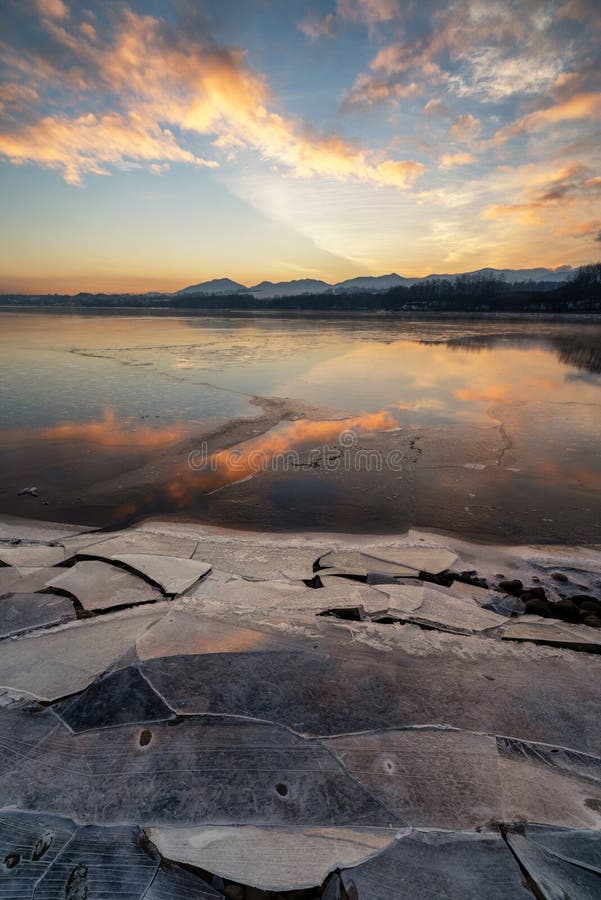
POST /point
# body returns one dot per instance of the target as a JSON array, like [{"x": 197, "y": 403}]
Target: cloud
[
  {"x": 315, "y": 27},
  {"x": 436, "y": 109},
  {"x": 53, "y": 9},
  {"x": 370, "y": 11},
  {"x": 450, "y": 160},
  {"x": 173, "y": 89},
  {"x": 465, "y": 128},
  {"x": 559, "y": 189},
  {"x": 89, "y": 143},
  {"x": 580, "y": 106},
  {"x": 370, "y": 91}
]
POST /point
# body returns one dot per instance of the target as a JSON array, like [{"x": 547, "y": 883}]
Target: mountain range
[{"x": 370, "y": 284}]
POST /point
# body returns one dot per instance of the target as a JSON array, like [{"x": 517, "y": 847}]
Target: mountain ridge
[{"x": 369, "y": 283}]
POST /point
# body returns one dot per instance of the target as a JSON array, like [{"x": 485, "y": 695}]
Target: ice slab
[
  {"x": 30, "y": 844},
  {"x": 172, "y": 574},
  {"x": 51, "y": 666},
  {"x": 240, "y": 596},
  {"x": 186, "y": 634},
  {"x": 99, "y": 585},
  {"x": 555, "y": 878},
  {"x": 553, "y": 631},
  {"x": 582, "y": 848},
  {"x": 421, "y": 559},
  {"x": 15, "y": 528},
  {"x": 136, "y": 541},
  {"x": 123, "y": 697},
  {"x": 24, "y": 612},
  {"x": 271, "y": 859},
  {"x": 310, "y": 692},
  {"x": 101, "y": 862},
  {"x": 428, "y": 777},
  {"x": 441, "y": 608},
  {"x": 356, "y": 563},
  {"x": 25, "y": 579},
  {"x": 403, "y": 598},
  {"x": 261, "y": 562},
  {"x": 174, "y": 883},
  {"x": 536, "y": 790},
  {"x": 197, "y": 771},
  {"x": 337, "y": 592},
  {"x": 345, "y": 687},
  {"x": 31, "y": 555},
  {"x": 22, "y": 728},
  {"x": 427, "y": 865}
]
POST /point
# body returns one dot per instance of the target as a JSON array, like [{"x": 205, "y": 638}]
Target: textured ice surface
[
  {"x": 272, "y": 859},
  {"x": 427, "y": 865},
  {"x": 555, "y": 878},
  {"x": 51, "y": 666},
  {"x": 260, "y": 562},
  {"x": 429, "y": 777},
  {"x": 25, "y": 612},
  {"x": 98, "y": 585},
  {"x": 254, "y": 738},
  {"x": 172, "y": 574}
]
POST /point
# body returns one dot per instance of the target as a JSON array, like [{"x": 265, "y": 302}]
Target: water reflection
[{"x": 92, "y": 405}]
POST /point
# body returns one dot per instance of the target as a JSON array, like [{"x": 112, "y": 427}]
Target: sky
[{"x": 148, "y": 145}]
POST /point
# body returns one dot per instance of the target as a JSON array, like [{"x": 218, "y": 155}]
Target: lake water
[{"x": 489, "y": 428}]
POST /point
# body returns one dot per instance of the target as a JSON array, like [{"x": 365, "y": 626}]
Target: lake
[{"x": 487, "y": 428}]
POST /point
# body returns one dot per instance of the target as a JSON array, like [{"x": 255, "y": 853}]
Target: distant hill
[
  {"x": 267, "y": 290},
  {"x": 216, "y": 286},
  {"x": 514, "y": 276},
  {"x": 374, "y": 283}
]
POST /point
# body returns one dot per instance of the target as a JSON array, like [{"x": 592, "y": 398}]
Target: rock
[
  {"x": 559, "y": 576},
  {"x": 505, "y": 606},
  {"x": 591, "y": 606},
  {"x": 534, "y": 593},
  {"x": 566, "y": 610},
  {"x": 31, "y": 491},
  {"x": 514, "y": 587},
  {"x": 537, "y": 607},
  {"x": 592, "y": 621}
]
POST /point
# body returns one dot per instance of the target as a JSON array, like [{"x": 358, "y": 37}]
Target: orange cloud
[
  {"x": 559, "y": 188},
  {"x": 203, "y": 475},
  {"x": 580, "y": 106},
  {"x": 368, "y": 91},
  {"x": 465, "y": 128},
  {"x": 494, "y": 393},
  {"x": 450, "y": 160},
  {"x": 164, "y": 80},
  {"x": 106, "y": 432}
]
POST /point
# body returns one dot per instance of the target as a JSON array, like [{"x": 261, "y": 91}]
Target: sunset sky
[{"x": 150, "y": 145}]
